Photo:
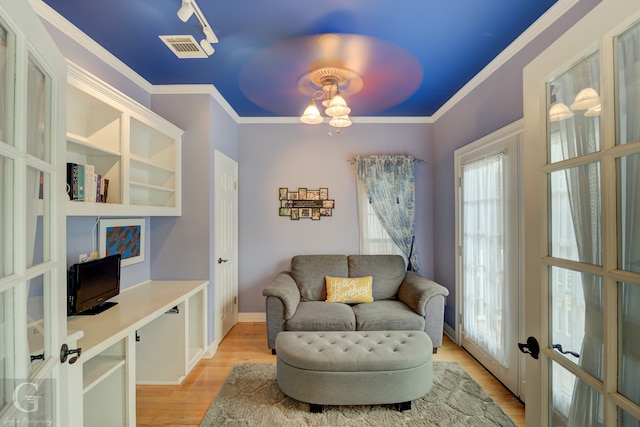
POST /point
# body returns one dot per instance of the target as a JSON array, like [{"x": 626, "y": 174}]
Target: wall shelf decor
[{"x": 305, "y": 203}]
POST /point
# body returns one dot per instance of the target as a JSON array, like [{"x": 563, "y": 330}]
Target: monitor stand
[{"x": 98, "y": 308}]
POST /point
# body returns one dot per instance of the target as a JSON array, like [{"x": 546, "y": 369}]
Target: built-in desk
[{"x": 155, "y": 335}]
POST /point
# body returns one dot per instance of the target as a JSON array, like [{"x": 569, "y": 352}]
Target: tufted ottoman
[{"x": 354, "y": 367}]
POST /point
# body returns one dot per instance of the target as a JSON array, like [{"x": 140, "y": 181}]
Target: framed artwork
[
  {"x": 305, "y": 203},
  {"x": 124, "y": 237}
]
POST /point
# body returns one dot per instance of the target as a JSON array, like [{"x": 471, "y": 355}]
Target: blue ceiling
[{"x": 413, "y": 55}]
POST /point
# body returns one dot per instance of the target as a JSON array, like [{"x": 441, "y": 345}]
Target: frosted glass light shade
[
  {"x": 338, "y": 106},
  {"x": 593, "y": 111},
  {"x": 559, "y": 112},
  {"x": 586, "y": 99},
  {"x": 340, "y": 121},
  {"x": 311, "y": 114}
]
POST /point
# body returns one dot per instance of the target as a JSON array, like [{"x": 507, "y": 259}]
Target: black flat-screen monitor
[{"x": 91, "y": 284}]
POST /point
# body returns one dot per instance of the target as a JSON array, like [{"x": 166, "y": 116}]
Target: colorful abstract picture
[{"x": 124, "y": 237}]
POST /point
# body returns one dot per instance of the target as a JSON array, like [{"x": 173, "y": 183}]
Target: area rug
[{"x": 250, "y": 396}]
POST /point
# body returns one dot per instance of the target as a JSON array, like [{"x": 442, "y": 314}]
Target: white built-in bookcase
[{"x": 134, "y": 148}]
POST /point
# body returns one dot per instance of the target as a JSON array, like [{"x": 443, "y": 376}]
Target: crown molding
[{"x": 198, "y": 89}]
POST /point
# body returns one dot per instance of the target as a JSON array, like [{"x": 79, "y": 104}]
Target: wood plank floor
[{"x": 187, "y": 403}]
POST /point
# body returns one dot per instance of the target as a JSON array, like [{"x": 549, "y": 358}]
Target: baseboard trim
[
  {"x": 211, "y": 350},
  {"x": 450, "y": 332},
  {"x": 252, "y": 317}
]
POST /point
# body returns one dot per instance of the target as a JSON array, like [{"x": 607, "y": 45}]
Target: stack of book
[{"x": 85, "y": 185}]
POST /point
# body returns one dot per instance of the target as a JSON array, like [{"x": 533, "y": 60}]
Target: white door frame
[
  {"x": 479, "y": 149},
  {"x": 225, "y": 244}
]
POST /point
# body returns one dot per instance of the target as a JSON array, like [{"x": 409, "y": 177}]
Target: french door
[
  {"x": 488, "y": 262},
  {"x": 582, "y": 204},
  {"x": 32, "y": 223}
]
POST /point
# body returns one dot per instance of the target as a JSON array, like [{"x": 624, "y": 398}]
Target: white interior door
[
  {"x": 488, "y": 262},
  {"x": 226, "y": 244},
  {"x": 582, "y": 204},
  {"x": 32, "y": 223}
]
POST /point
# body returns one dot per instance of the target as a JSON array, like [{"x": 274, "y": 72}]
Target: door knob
[
  {"x": 220, "y": 260},
  {"x": 531, "y": 348},
  {"x": 65, "y": 352}
]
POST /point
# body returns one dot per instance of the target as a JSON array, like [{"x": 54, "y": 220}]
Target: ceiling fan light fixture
[
  {"x": 311, "y": 115},
  {"x": 185, "y": 11},
  {"x": 337, "y": 106}
]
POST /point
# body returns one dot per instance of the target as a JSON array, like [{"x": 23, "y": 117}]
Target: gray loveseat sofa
[{"x": 402, "y": 300}]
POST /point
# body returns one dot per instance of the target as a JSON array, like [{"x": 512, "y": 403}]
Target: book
[
  {"x": 89, "y": 189},
  {"x": 99, "y": 188},
  {"x": 105, "y": 189},
  {"x": 72, "y": 181},
  {"x": 80, "y": 182}
]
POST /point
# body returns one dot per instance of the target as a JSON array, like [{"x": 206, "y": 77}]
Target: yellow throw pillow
[{"x": 349, "y": 289}]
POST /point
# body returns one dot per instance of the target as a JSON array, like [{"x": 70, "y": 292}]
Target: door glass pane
[
  {"x": 628, "y": 168},
  {"x": 6, "y": 216},
  {"x": 574, "y": 111},
  {"x": 628, "y": 85},
  {"x": 37, "y": 120},
  {"x": 483, "y": 226},
  {"x": 575, "y": 214},
  {"x": 6, "y": 342},
  {"x": 577, "y": 318},
  {"x": 573, "y": 403},
  {"x": 38, "y": 216},
  {"x": 628, "y": 343},
  {"x": 36, "y": 324},
  {"x": 6, "y": 92},
  {"x": 625, "y": 419}
]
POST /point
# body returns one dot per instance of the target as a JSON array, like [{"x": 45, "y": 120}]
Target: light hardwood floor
[{"x": 187, "y": 403}]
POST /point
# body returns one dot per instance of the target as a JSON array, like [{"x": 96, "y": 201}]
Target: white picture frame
[{"x": 125, "y": 236}]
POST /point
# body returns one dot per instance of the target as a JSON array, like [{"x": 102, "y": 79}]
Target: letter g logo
[{"x": 30, "y": 400}]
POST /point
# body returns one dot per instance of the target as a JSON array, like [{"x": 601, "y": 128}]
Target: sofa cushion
[
  {"x": 309, "y": 272},
  {"x": 349, "y": 289},
  {"x": 387, "y": 315},
  {"x": 388, "y": 271},
  {"x": 322, "y": 316}
]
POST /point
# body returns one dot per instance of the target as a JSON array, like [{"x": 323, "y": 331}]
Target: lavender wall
[
  {"x": 495, "y": 103},
  {"x": 296, "y": 155},
  {"x": 182, "y": 248}
]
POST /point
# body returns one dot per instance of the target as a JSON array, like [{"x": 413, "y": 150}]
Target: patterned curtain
[{"x": 390, "y": 183}]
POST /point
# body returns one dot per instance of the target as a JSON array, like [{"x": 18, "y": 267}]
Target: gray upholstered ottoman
[{"x": 354, "y": 367}]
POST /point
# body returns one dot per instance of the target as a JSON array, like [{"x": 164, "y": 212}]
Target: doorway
[
  {"x": 488, "y": 282},
  {"x": 225, "y": 244}
]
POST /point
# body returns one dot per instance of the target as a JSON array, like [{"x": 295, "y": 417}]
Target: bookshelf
[{"x": 137, "y": 151}]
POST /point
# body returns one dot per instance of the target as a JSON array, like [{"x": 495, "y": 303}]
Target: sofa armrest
[
  {"x": 416, "y": 291},
  {"x": 284, "y": 288}
]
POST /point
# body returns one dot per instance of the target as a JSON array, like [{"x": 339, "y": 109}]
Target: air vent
[{"x": 184, "y": 46}]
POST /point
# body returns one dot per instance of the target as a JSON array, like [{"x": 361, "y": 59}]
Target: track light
[
  {"x": 206, "y": 46},
  {"x": 185, "y": 11},
  {"x": 190, "y": 7}
]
